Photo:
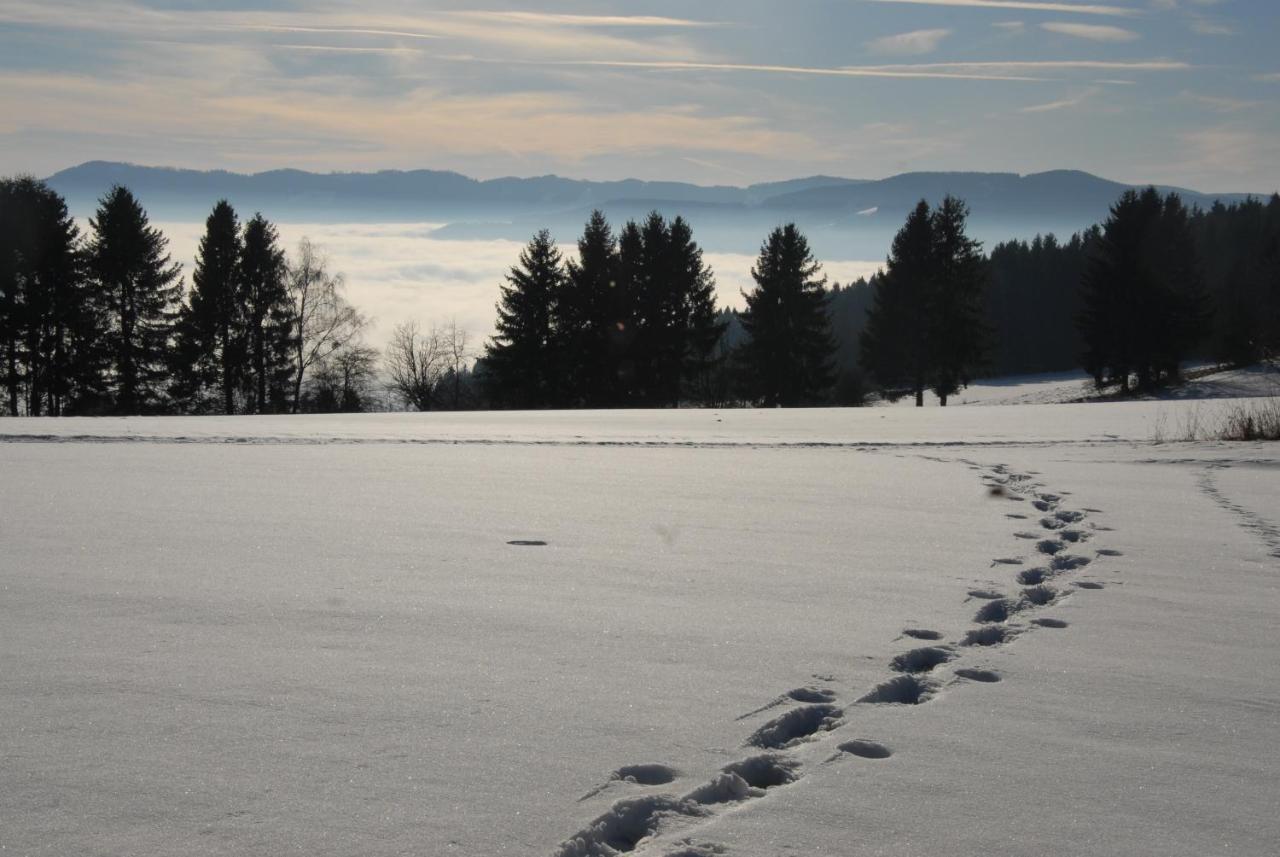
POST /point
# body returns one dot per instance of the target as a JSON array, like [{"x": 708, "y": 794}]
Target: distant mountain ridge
[{"x": 863, "y": 211}]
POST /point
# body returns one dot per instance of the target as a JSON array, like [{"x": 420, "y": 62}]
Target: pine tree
[
  {"x": 626, "y": 341},
  {"x": 49, "y": 322},
  {"x": 956, "y": 314},
  {"x": 1143, "y": 293},
  {"x": 697, "y": 327},
  {"x": 140, "y": 289},
  {"x": 652, "y": 305},
  {"x": 211, "y": 330},
  {"x": 521, "y": 359},
  {"x": 896, "y": 343},
  {"x": 267, "y": 313},
  {"x": 587, "y": 315},
  {"x": 787, "y": 356}
]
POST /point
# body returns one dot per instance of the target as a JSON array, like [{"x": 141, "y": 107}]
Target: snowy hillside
[{"x": 890, "y": 631}]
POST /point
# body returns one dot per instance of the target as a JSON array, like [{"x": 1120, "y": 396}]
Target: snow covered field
[{"x": 345, "y": 635}]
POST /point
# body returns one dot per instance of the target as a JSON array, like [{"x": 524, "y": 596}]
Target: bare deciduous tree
[
  {"x": 420, "y": 366},
  {"x": 325, "y": 321},
  {"x": 415, "y": 362}
]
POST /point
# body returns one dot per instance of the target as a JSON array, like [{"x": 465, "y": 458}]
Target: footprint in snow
[
  {"x": 921, "y": 660},
  {"x": 985, "y": 676},
  {"x": 1110, "y": 552},
  {"x": 903, "y": 690},
  {"x": 864, "y": 749},
  {"x": 922, "y": 634}
]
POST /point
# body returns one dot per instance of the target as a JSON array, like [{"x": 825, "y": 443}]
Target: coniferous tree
[
  {"x": 1143, "y": 296},
  {"x": 896, "y": 343},
  {"x": 626, "y": 342},
  {"x": 787, "y": 356},
  {"x": 267, "y": 312},
  {"x": 140, "y": 290},
  {"x": 957, "y": 326},
  {"x": 697, "y": 327},
  {"x": 652, "y": 306},
  {"x": 50, "y": 323},
  {"x": 587, "y": 313},
  {"x": 211, "y": 330},
  {"x": 521, "y": 359}
]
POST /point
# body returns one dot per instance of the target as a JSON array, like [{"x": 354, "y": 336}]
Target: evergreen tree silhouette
[
  {"x": 697, "y": 327},
  {"x": 267, "y": 312},
  {"x": 50, "y": 324},
  {"x": 588, "y": 312},
  {"x": 211, "y": 329},
  {"x": 140, "y": 290},
  {"x": 895, "y": 346},
  {"x": 956, "y": 312},
  {"x": 521, "y": 359},
  {"x": 1143, "y": 297},
  {"x": 787, "y": 356}
]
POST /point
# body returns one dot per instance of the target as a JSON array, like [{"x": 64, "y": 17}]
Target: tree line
[
  {"x": 632, "y": 321},
  {"x": 101, "y": 323}
]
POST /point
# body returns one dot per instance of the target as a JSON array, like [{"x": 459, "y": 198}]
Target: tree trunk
[
  {"x": 919, "y": 396},
  {"x": 228, "y": 395},
  {"x": 259, "y": 360},
  {"x": 942, "y": 401},
  {"x": 13, "y": 378}
]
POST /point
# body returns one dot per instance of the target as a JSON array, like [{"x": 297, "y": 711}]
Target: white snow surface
[
  {"x": 1048, "y": 388},
  {"x": 313, "y": 635}
]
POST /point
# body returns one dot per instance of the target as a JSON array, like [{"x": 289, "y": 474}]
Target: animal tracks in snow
[{"x": 815, "y": 714}]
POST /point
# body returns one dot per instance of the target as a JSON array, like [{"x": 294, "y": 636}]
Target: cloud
[
  {"x": 1026, "y": 5},
  {"x": 1219, "y": 103},
  {"x": 1205, "y": 27},
  {"x": 1064, "y": 104},
  {"x": 1010, "y": 26},
  {"x": 914, "y": 42},
  {"x": 1227, "y": 150},
  {"x": 1092, "y": 32}
]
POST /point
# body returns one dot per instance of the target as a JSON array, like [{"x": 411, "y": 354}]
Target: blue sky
[{"x": 716, "y": 92}]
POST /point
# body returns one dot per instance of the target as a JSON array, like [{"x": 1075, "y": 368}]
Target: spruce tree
[
  {"x": 787, "y": 356},
  {"x": 697, "y": 327},
  {"x": 653, "y": 310},
  {"x": 267, "y": 312},
  {"x": 50, "y": 324},
  {"x": 1144, "y": 303},
  {"x": 211, "y": 330},
  {"x": 140, "y": 289},
  {"x": 956, "y": 313},
  {"x": 587, "y": 314},
  {"x": 626, "y": 341},
  {"x": 521, "y": 359},
  {"x": 896, "y": 343}
]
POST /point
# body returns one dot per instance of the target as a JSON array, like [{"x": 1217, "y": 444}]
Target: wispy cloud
[
  {"x": 914, "y": 42},
  {"x": 939, "y": 71},
  {"x": 1220, "y": 103},
  {"x": 1026, "y": 5},
  {"x": 1206, "y": 27},
  {"x": 1062, "y": 104},
  {"x": 1092, "y": 32}
]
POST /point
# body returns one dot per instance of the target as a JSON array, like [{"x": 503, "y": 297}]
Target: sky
[{"x": 1182, "y": 92}]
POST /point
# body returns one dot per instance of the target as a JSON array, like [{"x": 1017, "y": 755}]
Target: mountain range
[{"x": 851, "y": 218}]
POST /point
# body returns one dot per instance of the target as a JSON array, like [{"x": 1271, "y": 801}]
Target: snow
[
  {"x": 660, "y": 633},
  {"x": 1205, "y": 382}
]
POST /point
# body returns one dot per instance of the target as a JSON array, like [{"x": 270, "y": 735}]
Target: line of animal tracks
[{"x": 1059, "y": 543}]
